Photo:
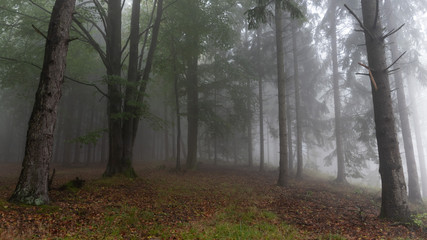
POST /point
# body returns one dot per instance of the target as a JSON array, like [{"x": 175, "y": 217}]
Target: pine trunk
[
  {"x": 192, "y": 111},
  {"x": 32, "y": 187},
  {"x": 419, "y": 139},
  {"x": 297, "y": 103},
  {"x": 394, "y": 195},
  {"x": 337, "y": 100},
  {"x": 283, "y": 162}
]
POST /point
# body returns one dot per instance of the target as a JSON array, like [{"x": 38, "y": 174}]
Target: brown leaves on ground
[{"x": 165, "y": 204}]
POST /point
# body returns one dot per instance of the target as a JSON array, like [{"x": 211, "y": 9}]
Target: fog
[{"x": 230, "y": 62}]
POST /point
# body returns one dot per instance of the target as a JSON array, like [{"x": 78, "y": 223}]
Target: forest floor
[{"x": 208, "y": 203}]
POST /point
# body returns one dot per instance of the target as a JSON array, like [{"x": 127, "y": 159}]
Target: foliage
[{"x": 262, "y": 13}]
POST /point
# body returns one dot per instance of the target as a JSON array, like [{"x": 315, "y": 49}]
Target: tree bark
[
  {"x": 130, "y": 104},
  {"x": 297, "y": 103},
  {"x": 32, "y": 187},
  {"x": 394, "y": 195},
  {"x": 283, "y": 162},
  {"x": 261, "y": 104},
  {"x": 419, "y": 139},
  {"x": 114, "y": 108},
  {"x": 337, "y": 100},
  {"x": 192, "y": 109},
  {"x": 413, "y": 180},
  {"x": 249, "y": 124}
]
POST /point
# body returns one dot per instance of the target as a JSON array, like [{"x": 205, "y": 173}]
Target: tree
[
  {"x": 413, "y": 180},
  {"x": 256, "y": 16},
  {"x": 123, "y": 121},
  {"x": 394, "y": 195},
  {"x": 337, "y": 100},
  {"x": 32, "y": 187},
  {"x": 298, "y": 119}
]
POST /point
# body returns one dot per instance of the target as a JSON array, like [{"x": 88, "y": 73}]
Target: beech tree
[
  {"x": 394, "y": 194},
  {"x": 32, "y": 187}
]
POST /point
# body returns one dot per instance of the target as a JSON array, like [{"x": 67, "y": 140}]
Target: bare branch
[
  {"x": 38, "y": 31},
  {"x": 393, "y": 31},
  {"x": 91, "y": 41},
  {"x": 395, "y": 61},
  {"x": 141, "y": 56},
  {"x": 23, "y": 14},
  {"x": 360, "y": 21},
  {"x": 42, "y": 8},
  {"x": 370, "y": 74},
  {"x": 393, "y": 71},
  {"x": 95, "y": 25},
  {"x": 65, "y": 77},
  {"x": 101, "y": 12}
]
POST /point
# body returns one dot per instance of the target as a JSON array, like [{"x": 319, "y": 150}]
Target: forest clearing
[
  {"x": 210, "y": 203},
  {"x": 204, "y": 119}
]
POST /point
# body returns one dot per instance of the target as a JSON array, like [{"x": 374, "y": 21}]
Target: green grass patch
[{"x": 240, "y": 223}]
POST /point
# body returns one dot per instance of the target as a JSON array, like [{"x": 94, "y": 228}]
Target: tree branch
[
  {"x": 101, "y": 12},
  {"x": 395, "y": 61},
  {"x": 393, "y": 31},
  {"x": 370, "y": 74},
  {"x": 42, "y": 8},
  {"x": 91, "y": 41},
  {"x": 23, "y": 14},
  {"x": 66, "y": 77},
  {"x": 360, "y": 22},
  {"x": 95, "y": 25},
  {"x": 38, "y": 31}
]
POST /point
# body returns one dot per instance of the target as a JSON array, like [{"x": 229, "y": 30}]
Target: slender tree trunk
[
  {"x": 394, "y": 195},
  {"x": 249, "y": 125},
  {"x": 130, "y": 109},
  {"x": 32, "y": 187},
  {"x": 297, "y": 103},
  {"x": 166, "y": 131},
  {"x": 337, "y": 100},
  {"x": 192, "y": 110},
  {"x": 419, "y": 139},
  {"x": 148, "y": 63},
  {"x": 283, "y": 163},
  {"x": 261, "y": 122},
  {"x": 290, "y": 143},
  {"x": 261, "y": 104},
  {"x": 215, "y": 133},
  {"x": 413, "y": 180}
]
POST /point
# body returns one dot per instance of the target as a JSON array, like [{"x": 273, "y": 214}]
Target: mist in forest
[{"x": 221, "y": 71}]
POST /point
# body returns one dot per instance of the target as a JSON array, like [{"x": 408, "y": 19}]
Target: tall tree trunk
[
  {"x": 419, "y": 139},
  {"x": 130, "y": 108},
  {"x": 297, "y": 103},
  {"x": 283, "y": 162},
  {"x": 166, "y": 130},
  {"x": 148, "y": 63},
  {"x": 413, "y": 180},
  {"x": 249, "y": 124},
  {"x": 394, "y": 195},
  {"x": 337, "y": 100},
  {"x": 261, "y": 104},
  {"x": 32, "y": 187},
  {"x": 192, "y": 109},
  {"x": 114, "y": 108},
  {"x": 290, "y": 143}
]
